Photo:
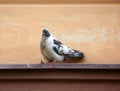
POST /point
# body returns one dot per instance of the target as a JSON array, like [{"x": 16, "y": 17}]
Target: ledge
[
  {"x": 60, "y": 66},
  {"x": 61, "y": 71}
]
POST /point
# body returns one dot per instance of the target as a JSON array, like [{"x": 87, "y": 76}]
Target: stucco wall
[{"x": 91, "y": 28}]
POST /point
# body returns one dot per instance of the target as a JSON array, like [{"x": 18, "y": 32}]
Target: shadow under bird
[{"x": 53, "y": 50}]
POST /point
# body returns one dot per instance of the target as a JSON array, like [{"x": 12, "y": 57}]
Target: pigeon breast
[{"x": 48, "y": 50}]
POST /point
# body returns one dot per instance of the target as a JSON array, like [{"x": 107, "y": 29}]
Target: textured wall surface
[{"x": 91, "y": 28}]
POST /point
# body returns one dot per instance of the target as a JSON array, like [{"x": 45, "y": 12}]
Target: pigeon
[{"x": 53, "y": 50}]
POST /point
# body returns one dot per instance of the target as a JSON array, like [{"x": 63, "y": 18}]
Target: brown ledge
[
  {"x": 60, "y": 66},
  {"x": 64, "y": 76}
]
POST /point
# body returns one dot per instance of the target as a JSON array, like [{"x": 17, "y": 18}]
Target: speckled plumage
[{"x": 54, "y": 50}]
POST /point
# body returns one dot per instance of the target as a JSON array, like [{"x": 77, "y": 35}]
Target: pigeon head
[{"x": 46, "y": 33}]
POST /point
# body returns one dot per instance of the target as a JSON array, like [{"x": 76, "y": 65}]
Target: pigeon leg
[
  {"x": 53, "y": 63},
  {"x": 42, "y": 62}
]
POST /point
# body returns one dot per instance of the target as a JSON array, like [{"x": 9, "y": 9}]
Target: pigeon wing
[{"x": 61, "y": 49}]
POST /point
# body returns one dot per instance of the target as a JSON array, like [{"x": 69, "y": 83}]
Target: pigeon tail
[{"x": 76, "y": 54}]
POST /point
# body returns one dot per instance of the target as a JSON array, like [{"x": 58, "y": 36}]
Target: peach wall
[{"x": 91, "y": 28}]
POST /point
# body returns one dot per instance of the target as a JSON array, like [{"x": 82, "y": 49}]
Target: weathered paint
[{"x": 91, "y": 28}]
